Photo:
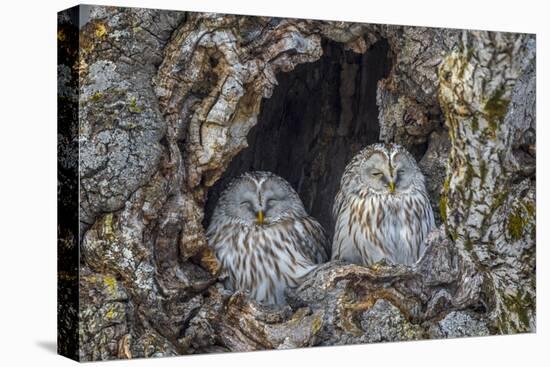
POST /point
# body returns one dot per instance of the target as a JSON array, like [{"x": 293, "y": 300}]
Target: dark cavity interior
[{"x": 320, "y": 115}]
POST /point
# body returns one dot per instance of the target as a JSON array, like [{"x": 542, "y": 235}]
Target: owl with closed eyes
[
  {"x": 263, "y": 237},
  {"x": 382, "y": 210}
]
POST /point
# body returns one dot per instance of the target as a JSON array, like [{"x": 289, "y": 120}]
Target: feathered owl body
[
  {"x": 382, "y": 209},
  {"x": 263, "y": 237}
]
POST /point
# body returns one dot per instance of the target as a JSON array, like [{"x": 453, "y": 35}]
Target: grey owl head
[
  {"x": 384, "y": 169},
  {"x": 259, "y": 198}
]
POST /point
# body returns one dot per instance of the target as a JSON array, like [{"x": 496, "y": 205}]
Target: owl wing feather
[{"x": 314, "y": 240}]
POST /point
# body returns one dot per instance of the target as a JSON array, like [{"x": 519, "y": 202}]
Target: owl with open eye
[
  {"x": 263, "y": 237},
  {"x": 382, "y": 210}
]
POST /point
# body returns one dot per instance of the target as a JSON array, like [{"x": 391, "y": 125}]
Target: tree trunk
[{"x": 174, "y": 104}]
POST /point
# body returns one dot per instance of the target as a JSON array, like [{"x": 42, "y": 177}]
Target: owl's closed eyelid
[
  {"x": 246, "y": 202},
  {"x": 269, "y": 203}
]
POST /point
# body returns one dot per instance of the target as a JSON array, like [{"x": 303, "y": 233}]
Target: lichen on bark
[{"x": 488, "y": 212}]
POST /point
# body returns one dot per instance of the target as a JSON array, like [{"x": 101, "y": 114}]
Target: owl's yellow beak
[
  {"x": 260, "y": 217},
  {"x": 392, "y": 186}
]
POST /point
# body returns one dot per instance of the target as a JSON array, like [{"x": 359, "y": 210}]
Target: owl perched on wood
[
  {"x": 263, "y": 237},
  {"x": 382, "y": 210}
]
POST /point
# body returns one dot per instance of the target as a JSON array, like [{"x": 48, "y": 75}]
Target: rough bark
[
  {"x": 167, "y": 100},
  {"x": 488, "y": 204}
]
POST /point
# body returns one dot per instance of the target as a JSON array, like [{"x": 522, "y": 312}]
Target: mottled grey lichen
[
  {"x": 384, "y": 322},
  {"x": 458, "y": 323}
]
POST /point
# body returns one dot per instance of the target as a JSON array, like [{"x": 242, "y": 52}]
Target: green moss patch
[
  {"x": 133, "y": 106},
  {"x": 495, "y": 109}
]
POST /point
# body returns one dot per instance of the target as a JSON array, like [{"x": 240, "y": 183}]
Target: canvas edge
[{"x": 67, "y": 183}]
